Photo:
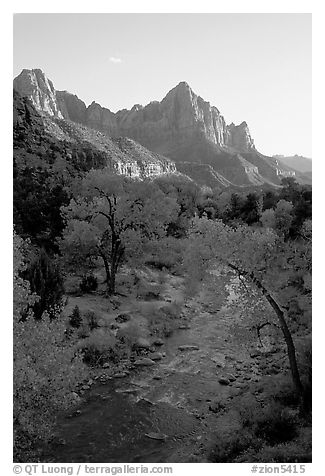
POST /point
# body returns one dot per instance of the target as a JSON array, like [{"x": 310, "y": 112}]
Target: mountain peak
[
  {"x": 183, "y": 84},
  {"x": 34, "y": 84}
]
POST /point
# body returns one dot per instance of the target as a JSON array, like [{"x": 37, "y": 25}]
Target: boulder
[
  {"x": 123, "y": 318},
  {"x": 217, "y": 405},
  {"x": 75, "y": 396},
  {"x": 158, "y": 342},
  {"x": 142, "y": 343},
  {"x": 156, "y": 356},
  {"x": 120, "y": 375},
  {"x": 144, "y": 362},
  {"x": 188, "y": 347},
  {"x": 223, "y": 381},
  {"x": 156, "y": 436}
]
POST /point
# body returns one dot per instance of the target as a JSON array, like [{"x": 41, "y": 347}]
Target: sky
[{"x": 252, "y": 67}]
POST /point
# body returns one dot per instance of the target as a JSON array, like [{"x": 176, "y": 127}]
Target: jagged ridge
[{"x": 183, "y": 127}]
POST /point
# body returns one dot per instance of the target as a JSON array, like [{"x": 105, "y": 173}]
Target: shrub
[
  {"x": 273, "y": 423},
  {"x": 305, "y": 365},
  {"x": 100, "y": 347},
  {"x": 129, "y": 334},
  {"x": 88, "y": 283},
  {"x": 230, "y": 445},
  {"x": 75, "y": 319},
  {"x": 166, "y": 253},
  {"x": 283, "y": 453},
  {"x": 92, "y": 320},
  {"x": 164, "y": 320},
  {"x": 45, "y": 278}
]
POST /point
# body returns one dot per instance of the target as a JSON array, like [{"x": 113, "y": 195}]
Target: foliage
[
  {"x": 130, "y": 334},
  {"x": 268, "y": 218},
  {"x": 46, "y": 366},
  {"x": 75, "y": 319},
  {"x": 92, "y": 320},
  {"x": 36, "y": 202},
  {"x": 100, "y": 347},
  {"x": 113, "y": 219},
  {"x": 166, "y": 253},
  {"x": 187, "y": 196},
  {"x": 231, "y": 444},
  {"x": 277, "y": 270},
  {"x": 283, "y": 217},
  {"x": 273, "y": 423},
  {"x": 45, "y": 278},
  {"x": 260, "y": 429},
  {"x": 88, "y": 283}
]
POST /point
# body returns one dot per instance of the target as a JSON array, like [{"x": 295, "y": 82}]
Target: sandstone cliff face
[
  {"x": 71, "y": 107},
  {"x": 240, "y": 138},
  {"x": 101, "y": 119},
  {"x": 179, "y": 117},
  {"x": 183, "y": 127},
  {"x": 39, "y": 89},
  {"x": 162, "y": 126},
  {"x": 51, "y": 138}
]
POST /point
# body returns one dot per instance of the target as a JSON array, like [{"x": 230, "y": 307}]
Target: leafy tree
[
  {"x": 279, "y": 219},
  {"x": 186, "y": 193},
  {"x": 235, "y": 207},
  {"x": 45, "y": 278},
  {"x": 283, "y": 217},
  {"x": 251, "y": 209},
  {"x": 37, "y": 199},
  {"x": 268, "y": 218},
  {"x": 270, "y": 199},
  {"x": 75, "y": 318},
  {"x": 261, "y": 259},
  {"x": 88, "y": 283},
  {"x": 46, "y": 368},
  {"x": 112, "y": 219}
]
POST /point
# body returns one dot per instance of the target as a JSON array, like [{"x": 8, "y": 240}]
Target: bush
[
  {"x": 92, "y": 320},
  {"x": 88, "y": 283},
  {"x": 230, "y": 445},
  {"x": 45, "y": 278},
  {"x": 284, "y": 453},
  {"x": 75, "y": 319},
  {"x": 130, "y": 334},
  {"x": 166, "y": 253},
  {"x": 305, "y": 365},
  {"x": 100, "y": 347},
  {"x": 273, "y": 423},
  {"x": 163, "y": 321}
]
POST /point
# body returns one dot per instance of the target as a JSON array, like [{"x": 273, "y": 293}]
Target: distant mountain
[
  {"x": 296, "y": 162},
  {"x": 60, "y": 143},
  {"x": 183, "y": 127}
]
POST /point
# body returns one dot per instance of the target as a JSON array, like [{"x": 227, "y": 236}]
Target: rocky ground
[{"x": 165, "y": 402}]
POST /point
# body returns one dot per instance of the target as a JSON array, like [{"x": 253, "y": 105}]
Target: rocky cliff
[
  {"x": 40, "y": 90},
  {"x": 74, "y": 147},
  {"x": 180, "y": 115},
  {"x": 183, "y": 127}
]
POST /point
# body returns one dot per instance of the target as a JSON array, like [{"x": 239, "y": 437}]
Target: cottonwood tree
[
  {"x": 113, "y": 218},
  {"x": 46, "y": 367},
  {"x": 280, "y": 219},
  {"x": 278, "y": 271}
]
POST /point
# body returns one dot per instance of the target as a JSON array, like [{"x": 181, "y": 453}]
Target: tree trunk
[
  {"x": 284, "y": 327},
  {"x": 289, "y": 343},
  {"x": 108, "y": 277},
  {"x": 111, "y": 286}
]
